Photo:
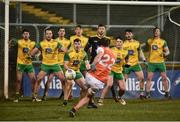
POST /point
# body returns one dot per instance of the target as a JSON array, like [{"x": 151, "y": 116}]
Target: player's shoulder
[
  {"x": 150, "y": 40},
  {"x": 163, "y": 40},
  {"x": 84, "y": 37},
  {"x": 32, "y": 42},
  {"x": 72, "y": 37},
  {"x": 107, "y": 37},
  {"x": 43, "y": 42},
  {"x": 125, "y": 51},
  {"x": 126, "y": 43},
  {"x": 55, "y": 41},
  {"x": 93, "y": 37},
  {"x": 136, "y": 41},
  {"x": 20, "y": 40}
]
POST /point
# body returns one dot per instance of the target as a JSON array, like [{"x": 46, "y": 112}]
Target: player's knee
[
  {"x": 109, "y": 86},
  {"x": 123, "y": 88},
  {"x": 141, "y": 79},
  {"x": 149, "y": 79},
  {"x": 33, "y": 78},
  {"x": 18, "y": 81},
  {"x": 39, "y": 78},
  {"x": 164, "y": 78}
]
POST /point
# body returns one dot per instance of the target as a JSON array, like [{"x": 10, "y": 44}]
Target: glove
[
  {"x": 93, "y": 67},
  {"x": 126, "y": 65}
]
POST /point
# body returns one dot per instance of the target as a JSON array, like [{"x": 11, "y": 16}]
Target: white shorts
[{"x": 93, "y": 82}]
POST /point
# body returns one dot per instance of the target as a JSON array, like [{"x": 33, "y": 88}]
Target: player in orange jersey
[{"x": 98, "y": 75}]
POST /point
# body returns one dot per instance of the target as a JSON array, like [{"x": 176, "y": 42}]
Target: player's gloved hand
[
  {"x": 126, "y": 65},
  {"x": 145, "y": 62},
  {"x": 93, "y": 67}
]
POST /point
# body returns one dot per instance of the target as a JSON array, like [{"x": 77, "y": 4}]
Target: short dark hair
[
  {"x": 101, "y": 25},
  {"x": 25, "y": 30},
  {"x": 77, "y": 40},
  {"x": 104, "y": 42},
  {"x": 154, "y": 29},
  {"x": 128, "y": 30},
  {"x": 60, "y": 28},
  {"x": 119, "y": 37},
  {"x": 78, "y": 26},
  {"x": 47, "y": 29}
]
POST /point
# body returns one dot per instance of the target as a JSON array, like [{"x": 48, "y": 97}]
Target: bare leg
[
  {"x": 81, "y": 103},
  {"x": 40, "y": 76},
  {"x": 140, "y": 77},
  {"x": 33, "y": 80},
  {"x": 122, "y": 89},
  {"x": 67, "y": 90},
  {"x": 60, "y": 75},
  {"x": 105, "y": 90},
  {"x": 165, "y": 84},
  {"x": 47, "y": 85},
  {"x": 148, "y": 84},
  {"x": 18, "y": 85}
]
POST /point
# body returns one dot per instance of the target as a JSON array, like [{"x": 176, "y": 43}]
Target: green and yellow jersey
[
  {"x": 24, "y": 48},
  {"x": 133, "y": 48},
  {"x": 121, "y": 54},
  {"x": 49, "y": 51},
  {"x": 66, "y": 44},
  {"x": 156, "y": 48},
  {"x": 75, "y": 59},
  {"x": 83, "y": 39}
]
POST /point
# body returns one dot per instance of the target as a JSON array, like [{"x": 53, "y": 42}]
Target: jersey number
[{"x": 105, "y": 60}]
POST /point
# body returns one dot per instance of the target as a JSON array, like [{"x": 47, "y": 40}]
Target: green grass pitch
[{"x": 52, "y": 109}]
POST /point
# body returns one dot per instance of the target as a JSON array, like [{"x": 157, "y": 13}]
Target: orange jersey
[{"x": 103, "y": 67}]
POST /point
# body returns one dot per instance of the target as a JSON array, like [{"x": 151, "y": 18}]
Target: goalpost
[{"x": 6, "y": 28}]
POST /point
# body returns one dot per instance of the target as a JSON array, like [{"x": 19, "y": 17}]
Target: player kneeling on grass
[
  {"x": 98, "y": 75},
  {"x": 117, "y": 68},
  {"x": 72, "y": 61}
]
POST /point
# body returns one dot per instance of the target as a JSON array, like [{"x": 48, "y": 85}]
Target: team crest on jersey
[
  {"x": 118, "y": 60},
  {"x": 130, "y": 52},
  {"x": 154, "y": 47},
  {"x": 25, "y": 50},
  {"x": 76, "y": 62},
  {"x": 48, "y": 50}
]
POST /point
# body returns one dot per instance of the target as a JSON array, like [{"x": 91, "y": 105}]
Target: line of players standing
[{"x": 79, "y": 53}]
